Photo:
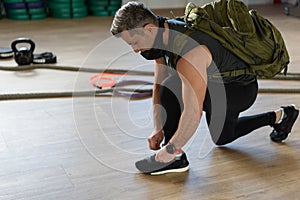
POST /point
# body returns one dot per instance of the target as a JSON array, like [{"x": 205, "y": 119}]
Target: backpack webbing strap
[
  {"x": 233, "y": 73},
  {"x": 179, "y": 41}
]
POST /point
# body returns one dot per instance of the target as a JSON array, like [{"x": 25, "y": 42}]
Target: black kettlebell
[{"x": 23, "y": 55}]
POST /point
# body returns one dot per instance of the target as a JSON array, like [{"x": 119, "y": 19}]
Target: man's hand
[
  {"x": 155, "y": 139},
  {"x": 164, "y": 156}
]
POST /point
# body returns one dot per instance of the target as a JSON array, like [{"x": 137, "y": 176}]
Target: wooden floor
[{"x": 85, "y": 148}]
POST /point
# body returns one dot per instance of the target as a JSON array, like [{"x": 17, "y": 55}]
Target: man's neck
[{"x": 166, "y": 34}]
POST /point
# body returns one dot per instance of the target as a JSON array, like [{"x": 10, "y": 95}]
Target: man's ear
[{"x": 150, "y": 28}]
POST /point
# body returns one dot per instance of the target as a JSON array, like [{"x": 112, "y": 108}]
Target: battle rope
[
  {"x": 75, "y": 69},
  {"x": 118, "y": 89},
  {"x": 93, "y": 93}
]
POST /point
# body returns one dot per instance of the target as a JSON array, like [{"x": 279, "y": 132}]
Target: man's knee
[
  {"x": 220, "y": 142},
  {"x": 221, "y": 139}
]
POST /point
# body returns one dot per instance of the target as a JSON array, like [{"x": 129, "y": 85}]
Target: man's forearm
[
  {"x": 156, "y": 108},
  {"x": 160, "y": 74},
  {"x": 187, "y": 126},
  {"x": 190, "y": 117}
]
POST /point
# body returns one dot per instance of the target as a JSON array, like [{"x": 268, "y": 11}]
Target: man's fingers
[
  {"x": 156, "y": 146},
  {"x": 153, "y": 144}
]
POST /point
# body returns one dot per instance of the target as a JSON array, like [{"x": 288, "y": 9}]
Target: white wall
[{"x": 181, "y": 3}]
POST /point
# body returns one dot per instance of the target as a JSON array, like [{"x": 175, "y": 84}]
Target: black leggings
[{"x": 223, "y": 104}]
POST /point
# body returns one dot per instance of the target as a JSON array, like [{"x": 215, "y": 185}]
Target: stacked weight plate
[
  {"x": 113, "y": 6},
  {"x": 25, "y": 9},
  {"x": 67, "y": 8},
  {"x": 103, "y": 7}
]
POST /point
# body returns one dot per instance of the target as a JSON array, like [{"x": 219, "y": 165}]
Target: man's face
[{"x": 141, "y": 41}]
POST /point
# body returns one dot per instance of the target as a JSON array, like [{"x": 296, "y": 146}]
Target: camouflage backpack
[{"x": 248, "y": 35}]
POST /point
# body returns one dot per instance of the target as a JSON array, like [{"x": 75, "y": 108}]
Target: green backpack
[{"x": 248, "y": 35}]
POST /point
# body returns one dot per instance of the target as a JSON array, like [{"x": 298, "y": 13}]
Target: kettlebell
[{"x": 23, "y": 55}]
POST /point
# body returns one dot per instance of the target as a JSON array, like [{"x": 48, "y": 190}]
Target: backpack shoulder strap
[{"x": 179, "y": 42}]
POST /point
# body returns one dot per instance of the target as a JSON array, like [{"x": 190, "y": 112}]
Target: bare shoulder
[
  {"x": 199, "y": 54},
  {"x": 199, "y": 58}
]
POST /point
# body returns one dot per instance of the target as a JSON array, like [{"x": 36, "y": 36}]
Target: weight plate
[
  {"x": 113, "y": 8},
  {"x": 79, "y": 15},
  {"x": 15, "y": 5},
  {"x": 16, "y": 11},
  {"x": 54, "y": 5},
  {"x": 18, "y": 17},
  {"x": 68, "y": 1},
  {"x": 78, "y": 2},
  {"x": 100, "y": 13},
  {"x": 68, "y": 14},
  {"x": 38, "y": 16},
  {"x": 38, "y": 4},
  {"x": 115, "y": 2},
  {"x": 112, "y": 13},
  {"x": 37, "y": 11},
  {"x": 60, "y": 15},
  {"x": 32, "y": 1},
  {"x": 13, "y": 1},
  {"x": 72, "y": 10},
  {"x": 42, "y": 58},
  {"x": 98, "y": 3},
  {"x": 78, "y": 5},
  {"x": 98, "y": 8},
  {"x": 60, "y": 11},
  {"x": 61, "y": 1},
  {"x": 6, "y": 52},
  {"x": 80, "y": 10}
]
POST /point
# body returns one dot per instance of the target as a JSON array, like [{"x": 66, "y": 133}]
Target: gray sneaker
[{"x": 151, "y": 166}]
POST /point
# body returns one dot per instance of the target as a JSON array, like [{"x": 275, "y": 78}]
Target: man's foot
[
  {"x": 151, "y": 166},
  {"x": 282, "y": 129}
]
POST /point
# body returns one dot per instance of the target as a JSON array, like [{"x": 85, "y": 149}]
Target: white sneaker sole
[{"x": 171, "y": 171}]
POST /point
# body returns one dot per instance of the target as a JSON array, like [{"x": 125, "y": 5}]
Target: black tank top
[{"x": 223, "y": 59}]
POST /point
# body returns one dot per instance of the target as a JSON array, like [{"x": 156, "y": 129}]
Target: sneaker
[
  {"x": 151, "y": 166},
  {"x": 282, "y": 130}
]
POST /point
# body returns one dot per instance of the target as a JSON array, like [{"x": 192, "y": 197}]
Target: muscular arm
[
  {"x": 160, "y": 74},
  {"x": 157, "y": 135},
  {"x": 192, "y": 70}
]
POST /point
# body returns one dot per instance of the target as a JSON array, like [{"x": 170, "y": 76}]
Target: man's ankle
[{"x": 280, "y": 115}]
